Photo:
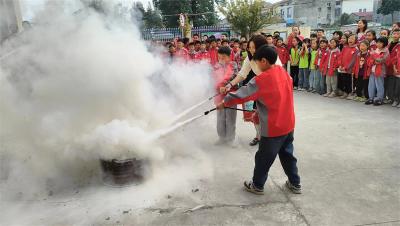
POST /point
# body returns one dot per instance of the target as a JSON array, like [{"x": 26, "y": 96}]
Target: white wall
[{"x": 353, "y": 6}]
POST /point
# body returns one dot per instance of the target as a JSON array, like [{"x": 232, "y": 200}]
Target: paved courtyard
[{"x": 349, "y": 163}]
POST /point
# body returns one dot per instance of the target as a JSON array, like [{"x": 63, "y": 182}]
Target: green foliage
[
  {"x": 345, "y": 19},
  {"x": 244, "y": 15},
  {"x": 389, "y": 7}
]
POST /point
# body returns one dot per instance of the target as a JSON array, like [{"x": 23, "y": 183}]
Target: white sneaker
[{"x": 395, "y": 104}]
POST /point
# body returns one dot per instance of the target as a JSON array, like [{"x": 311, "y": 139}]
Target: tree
[
  {"x": 345, "y": 19},
  {"x": 244, "y": 15},
  {"x": 201, "y": 12},
  {"x": 149, "y": 18},
  {"x": 389, "y": 7}
]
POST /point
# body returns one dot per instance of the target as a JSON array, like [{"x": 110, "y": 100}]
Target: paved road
[{"x": 349, "y": 161}]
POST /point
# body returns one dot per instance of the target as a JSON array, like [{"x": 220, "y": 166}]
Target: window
[
  {"x": 328, "y": 4},
  {"x": 365, "y": 10},
  {"x": 338, "y": 12},
  {"x": 338, "y": 3},
  {"x": 288, "y": 12},
  {"x": 319, "y": 9},
  {"x": 360, "y": 10}
]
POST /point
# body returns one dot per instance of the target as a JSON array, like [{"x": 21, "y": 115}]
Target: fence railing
[{"x": 168, "y": 34}]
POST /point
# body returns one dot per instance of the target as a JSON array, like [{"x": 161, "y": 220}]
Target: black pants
[
  {"x": 268, "y": 149},
  {"x": 344, "y": 82},
  {"x": 396, "y": 90},
  {"x": 294, "y": 73},
  {"x": 390, "y": 82},
  {"x": 362, "y": 87}
]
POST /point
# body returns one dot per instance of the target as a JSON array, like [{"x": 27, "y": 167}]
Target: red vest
[{"x": 348, "y": 57}]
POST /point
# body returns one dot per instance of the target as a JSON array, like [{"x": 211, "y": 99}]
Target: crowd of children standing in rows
[{"x": 362, "y": 66}]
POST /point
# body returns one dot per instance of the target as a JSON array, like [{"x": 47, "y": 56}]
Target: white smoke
[{"x": 79, "y": 87}]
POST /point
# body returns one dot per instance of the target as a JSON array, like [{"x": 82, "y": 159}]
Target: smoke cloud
[{"x": 79, "y": 87}]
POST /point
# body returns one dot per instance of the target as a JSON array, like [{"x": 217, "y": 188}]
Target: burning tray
[{"x": 123, "y": 172}]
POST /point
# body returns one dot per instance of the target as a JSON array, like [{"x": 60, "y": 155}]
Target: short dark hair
[
  {"x": 259, "y": 40},
  {"x": 383, "y": 40},
  {"x": 224, "y": 41},
  {"x": 236, "y": 41},
  {"x": 179, "y": 40},
  {"x": 279, "y": 39},
  {"x": 225, "y": 50},
  {"x": 210, "y": 40},
  {"x": 186, "y": 40},
  {"x": 277, "y": 32},
  {"x": 218, "y": 39},
  {"x": 387, "y": 30},
  {"x": 396, "y": 30},
  {"x": 336, "y": 41},
  {"x": 340, "y": 33},
  {"x": 196, "y": 35},
  {"x": 365, "y": 42},
  {"x": 313, "y": 35},
  {"x": 372, "y": 32},
  {"x": 269, "y": 35},
  {"x": 191, "y": 43},
  {"x": 320, "y": 29},
  {"x": 225, "y": 34},
  {"x": 323, "y": 40},
  {"x": 267, "y": 53}
]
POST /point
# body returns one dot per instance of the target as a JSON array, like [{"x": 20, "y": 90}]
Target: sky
[{"x": 30, "y": 7}]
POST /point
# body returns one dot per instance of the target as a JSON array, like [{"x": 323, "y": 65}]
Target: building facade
[{"x": 10, "y": 18}]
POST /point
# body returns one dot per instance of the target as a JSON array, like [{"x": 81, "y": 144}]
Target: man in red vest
[{"x": 273, "y": 92}]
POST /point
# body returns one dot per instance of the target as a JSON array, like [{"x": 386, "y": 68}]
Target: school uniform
[
  {"x": 319, "y": 81},
  {"x": 348, "y": 59},
  {"x": 273, "y": 92},
  {"x": 330, "y": 70},
  {"x": 361, "y": 73},
  {"x": 390, "y": 79},
  {"x": 294, "y": 65},
  {"x": 226, "y": 118},
  {"x": 303, "y": 70},
  {"x": 313, "y": 70},
  {"x": 377, "y": 61}
]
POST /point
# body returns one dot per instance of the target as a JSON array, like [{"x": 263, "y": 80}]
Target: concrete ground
[{"x": 349, "y": 163}]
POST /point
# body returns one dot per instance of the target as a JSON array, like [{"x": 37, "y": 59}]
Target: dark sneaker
[
  {"x": 369, "y": 102},
  {"x": 296, "y": 189},
  {"x": 254, "y": 142},
  {"x": 378, "y": 103},
  {"x": 249, "y": 186}
]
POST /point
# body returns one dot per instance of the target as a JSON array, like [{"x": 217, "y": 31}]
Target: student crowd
[{"x": 361, "y": 66}]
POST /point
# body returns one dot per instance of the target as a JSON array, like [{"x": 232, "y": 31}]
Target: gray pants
[
  {"x": 226, "y": 124},
  {"x": 331, "y": 83}
]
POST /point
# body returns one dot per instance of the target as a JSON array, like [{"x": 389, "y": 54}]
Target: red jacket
[
  {"x": 348, "y": 58},
  {"x": 223, "y": 73},
  {"x": 322, "y": 56},
  {"x": 203, "y": 56},
  {"x": 331, "y": 64},
  {"x": 283, "y": 54},
  {"x": 213, "y": 55},
  {"x": 182, "y": 53},
  {"x": 397, "y": 64},
  {"x": 273, "y": 90},
  {"x": 393, "y": 58},
  {"x": 372, "y": 45},
  {"x": 367, "y": 68},
  {"x": 379, "y": 60}
]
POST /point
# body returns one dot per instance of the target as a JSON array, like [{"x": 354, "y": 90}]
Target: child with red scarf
[
  {"x": 348, "y": 59},
  {"x": 322, "y": 55},
  {"x": 376, "y": 88},
  {"x": 225, "y": 71},
  {"x": 273, "y": 92},
  {"x": 390, "y": 80},
  {"x": 330, "y": 68},
  {"x": 361, "y": 72}
]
